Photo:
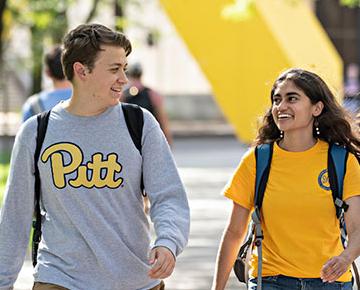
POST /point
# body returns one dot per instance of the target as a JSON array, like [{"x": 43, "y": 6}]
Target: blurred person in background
[
  {"x": 139, "y": 94},
  {"x": 352, "y": 88},
  {"x": 61, "y": 90}
]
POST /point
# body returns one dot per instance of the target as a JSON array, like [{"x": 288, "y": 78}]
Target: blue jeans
[{"x": 289, "y": 283}]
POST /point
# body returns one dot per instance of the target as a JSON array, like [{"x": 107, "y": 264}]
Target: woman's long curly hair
[{"x": 335, "y": 124}]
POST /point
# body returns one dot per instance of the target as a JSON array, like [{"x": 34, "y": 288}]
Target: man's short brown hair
[{"x": 83, "y": 44}]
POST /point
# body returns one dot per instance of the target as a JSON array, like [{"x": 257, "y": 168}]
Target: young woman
[{"x": 302, "y": 248}]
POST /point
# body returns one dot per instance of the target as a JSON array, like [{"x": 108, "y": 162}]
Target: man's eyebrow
[{"x": 117, "y": 64}]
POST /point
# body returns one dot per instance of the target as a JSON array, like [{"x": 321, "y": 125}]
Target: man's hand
[
  {"x": 162, "y": 261},
  {"x": 334, "y": 268}
]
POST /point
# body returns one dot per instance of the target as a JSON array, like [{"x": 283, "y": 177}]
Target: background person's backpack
[
  {"x": 36, "y": 104},
  {"x": 337, "y": 158},
  {"x": 141, "y": 98},
  {"x": 134, "y": 119}
]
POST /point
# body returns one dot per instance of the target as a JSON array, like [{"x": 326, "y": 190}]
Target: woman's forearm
[
  {"x": 227, "y": 254},
  {"x": 230, "y": 245},
  {"x": 352, "y": 219}
]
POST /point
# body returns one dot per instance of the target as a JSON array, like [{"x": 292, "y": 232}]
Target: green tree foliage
[
  {"x": 350, "y": 3},
  {"x": 47, "y": 22}
]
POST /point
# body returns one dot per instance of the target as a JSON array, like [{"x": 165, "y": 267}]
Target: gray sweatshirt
[{"x": 95, "y": 232}]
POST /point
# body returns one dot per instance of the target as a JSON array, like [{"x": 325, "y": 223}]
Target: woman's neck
[{"x": 297, "y": 143}]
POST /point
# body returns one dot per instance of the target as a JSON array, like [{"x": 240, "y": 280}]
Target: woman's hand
[{"x": 334, "y": 268}]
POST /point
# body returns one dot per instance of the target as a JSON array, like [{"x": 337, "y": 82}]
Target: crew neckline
[
  {"x": 60, "y": 108},
  {"x": 314, "y": 148}
]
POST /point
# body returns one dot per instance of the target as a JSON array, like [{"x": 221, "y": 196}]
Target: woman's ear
[{"x": 318, "y": 107}]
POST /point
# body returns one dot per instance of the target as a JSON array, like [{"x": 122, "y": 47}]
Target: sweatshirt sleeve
[
  {"x": 169, "y": 209},
  {"x": 16, "y": 213}
]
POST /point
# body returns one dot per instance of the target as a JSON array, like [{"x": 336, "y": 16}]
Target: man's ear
[
  {"x": 319, "y": 106},
  {"x": 80, "y": 70}
]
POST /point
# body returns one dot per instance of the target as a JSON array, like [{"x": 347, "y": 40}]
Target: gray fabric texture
[{"x": 95, "y": 232}]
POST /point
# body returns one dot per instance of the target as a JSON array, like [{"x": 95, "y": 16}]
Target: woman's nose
[{"x": 282, "y": 105}]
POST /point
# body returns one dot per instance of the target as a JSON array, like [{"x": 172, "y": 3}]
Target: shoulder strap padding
[
  {"x": 42, "y": 123},
  {"x": 337, "y": 159},
  {"x": 134, "y": 119},
  {"x": 263, "y": 156}
]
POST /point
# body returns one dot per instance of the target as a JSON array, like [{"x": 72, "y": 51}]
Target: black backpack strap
[
  {"x": 134, "y": 119},
  {"x": 337, "y": 159},
  {"x": 42, "y": 122}
]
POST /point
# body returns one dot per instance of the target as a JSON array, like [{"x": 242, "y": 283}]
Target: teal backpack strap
[
  {"x": 263, "y": 156},
  {"x": 337, "y": 158}
]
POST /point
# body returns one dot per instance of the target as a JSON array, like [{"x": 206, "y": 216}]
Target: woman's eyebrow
[{"x": 292, "y": 93}]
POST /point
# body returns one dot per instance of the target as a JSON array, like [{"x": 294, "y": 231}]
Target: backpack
[
  {"x": 337, "y": 158},
  {"x": 141, "y": 98},
  {"x": 36, "y": 104},
  {"x": 134, "y": 120}
]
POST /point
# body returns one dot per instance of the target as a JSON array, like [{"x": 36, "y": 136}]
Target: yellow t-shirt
[{"x": 301, "y": 231}]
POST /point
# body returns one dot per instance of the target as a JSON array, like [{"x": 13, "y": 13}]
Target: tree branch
[{"x": 92, "y": 11}]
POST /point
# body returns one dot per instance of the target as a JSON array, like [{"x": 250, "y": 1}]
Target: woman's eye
[
  {"x": 292, "y": 99},
  {"x": 276, "y": 100}
]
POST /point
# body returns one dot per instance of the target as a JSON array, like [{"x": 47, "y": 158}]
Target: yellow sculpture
[{"x": 243, "y": 45}]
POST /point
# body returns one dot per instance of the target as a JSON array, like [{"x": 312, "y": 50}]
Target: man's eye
[{"x": 114, "y": 70}]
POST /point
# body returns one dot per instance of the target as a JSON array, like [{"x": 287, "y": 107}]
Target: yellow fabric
[{"x": 301, "y": 231}]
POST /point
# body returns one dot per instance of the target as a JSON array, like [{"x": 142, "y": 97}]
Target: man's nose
[{"x": 123, "y": 78}]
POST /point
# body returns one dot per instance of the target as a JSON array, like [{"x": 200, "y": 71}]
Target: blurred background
[{"x": 213, "y": 62}]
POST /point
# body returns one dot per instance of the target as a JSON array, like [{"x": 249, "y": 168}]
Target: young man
[
  {"x": 61, "y": 91},
  {"x": 95, "y": 234}
]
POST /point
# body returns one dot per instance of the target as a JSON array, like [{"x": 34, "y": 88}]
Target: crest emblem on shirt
[{"x": 323, "y": 180}]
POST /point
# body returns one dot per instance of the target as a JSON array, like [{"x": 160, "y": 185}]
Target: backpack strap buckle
[
  {"x": 341, "y": 204},
  {"x": 257, "y": 226}
]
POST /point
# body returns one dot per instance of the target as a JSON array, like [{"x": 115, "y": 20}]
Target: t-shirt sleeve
[
  {"x": 352, "y": 177},
  {"x": 241, "y": 185}
]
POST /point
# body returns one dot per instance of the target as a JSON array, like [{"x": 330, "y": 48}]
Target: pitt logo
[
  {"x": 323, "y": 180},
  {"x": 93, "y": 168}
]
